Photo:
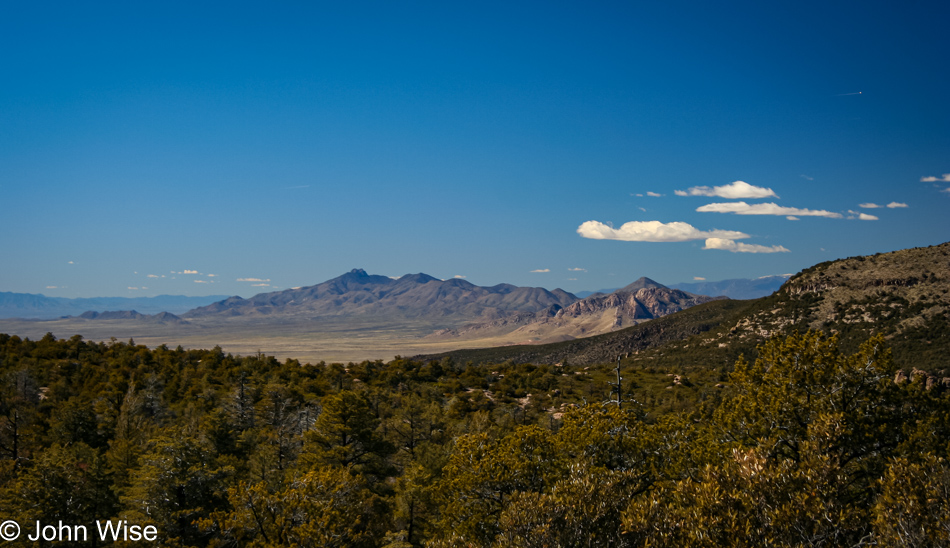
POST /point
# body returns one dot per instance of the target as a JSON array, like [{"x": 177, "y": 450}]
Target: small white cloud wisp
[
  {"x": 739, "y": 247},
  {"x": 768, "y": 208}
]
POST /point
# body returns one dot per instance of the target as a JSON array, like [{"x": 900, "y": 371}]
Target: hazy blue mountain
[
  {"x": 41, "y": 307},
  {"x": 740, "y": 288}
]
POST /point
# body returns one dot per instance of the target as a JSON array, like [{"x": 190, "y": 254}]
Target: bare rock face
[
  {"x": 900, "y": 376},
  {"x": 643, "y": 304}
]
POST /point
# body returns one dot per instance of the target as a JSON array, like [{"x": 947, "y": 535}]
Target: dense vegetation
[{"x": 806, "y": 445}]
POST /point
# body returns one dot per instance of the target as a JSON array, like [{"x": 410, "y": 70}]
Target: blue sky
[{"x": 146, "y": 147}]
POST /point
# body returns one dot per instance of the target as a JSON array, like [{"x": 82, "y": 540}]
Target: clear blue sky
[{"x": 289, "y": 144}]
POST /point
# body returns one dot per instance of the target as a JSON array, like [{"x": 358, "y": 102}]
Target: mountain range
[
  {"x": 904, "y": 295},
  {"x": 638, "y": 302},
  {"x": 357, "y": 293},
  {"x": 359, "y": 315}
]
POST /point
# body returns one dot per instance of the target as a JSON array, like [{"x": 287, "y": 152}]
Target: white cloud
[
  {"x": 643, "y": 209},
  {"x": 638, "y": 195},
  {"x": 932, "y": 179},
  {"x": 542, "y": 270},
  {"x": 152, "y": 276},
  {"x": 459, "y": 276},
  {"x": 893, "y": 205},
  {"x": 869, "y": 205},
  {"x": 738, "y": 247},
  {"x": 734, "y": 190},
  {"x": 653, "y": 231},
  {"x": 768, "y": 208},
  {"x": 190, "y": 272},
  {"x": 577, "y": 269},
  {"x": 654, "y": 194},
  {"x": 202, "y": 282},
  {"x": 133, "y": 288},
  {"x": 260, "y": 285},
  {"x": 70, "y": 262},
  {"x": 211, "y": 275},
  {"x": 947, "y": 190},
  {"x": 861, "y": 216},
  {"x": 699, "y": 278},
  {"x": 252, "y": 280},
  {"x": 52, "y": 287},
  {"x": 807, "y": 178}
]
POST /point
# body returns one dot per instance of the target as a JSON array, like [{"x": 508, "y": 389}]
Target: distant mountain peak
[{"x": 642, "y": 283}]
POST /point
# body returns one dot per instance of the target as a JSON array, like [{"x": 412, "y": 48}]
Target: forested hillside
[{"x": 805, "y": 445}]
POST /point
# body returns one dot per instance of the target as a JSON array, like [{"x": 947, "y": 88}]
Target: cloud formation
[
  {"x": 260, "y": 285},
  {"x": 892, "y": 205},
  {"x": 653, "y": 231},
  {"x": 732, "y": 191},
  {"x": 577, "y": 269},
  {"x": 459, "y": 276},
  {"x": 944, "y": 179},
  {"x": 190, "y": 272},
  {"x": 738, "y": 247},
  {"x": 252, "y": 280},
  {"x": 654, "y": 194},
  {"x": 542, "y": 270},
  {"x": 768, "y": 208}
]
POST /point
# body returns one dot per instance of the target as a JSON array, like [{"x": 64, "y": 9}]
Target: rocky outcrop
[{"x": 929, "y": 380}]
